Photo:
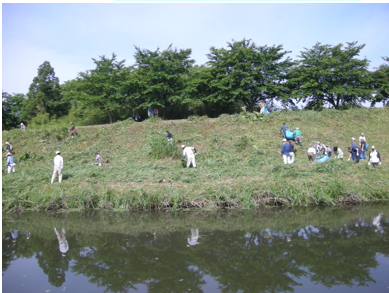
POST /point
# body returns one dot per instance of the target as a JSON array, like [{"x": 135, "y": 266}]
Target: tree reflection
[{"x": 264, "y": 260}]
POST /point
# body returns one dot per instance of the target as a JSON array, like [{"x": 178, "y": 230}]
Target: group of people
[
  {"x": 356, "y": 152},
  {"x": 151, "y": 112}
]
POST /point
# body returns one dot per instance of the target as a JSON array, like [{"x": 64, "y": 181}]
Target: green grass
[{"x": 238, "y": 163}]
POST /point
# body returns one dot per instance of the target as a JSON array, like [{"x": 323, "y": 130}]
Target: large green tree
[
  {"x": 13, "y": 107},
  {"x": 247, "y": 73},
  {"x": 331, "y": 75},
  {"x": 161, "y": 76},
  {"x": 100, "y": 87},
  {"x": 44, "y": 95},
  {"x": 381, "y": 83}
]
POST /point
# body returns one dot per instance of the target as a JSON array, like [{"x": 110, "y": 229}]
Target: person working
[
  {"x": 285, "y": 151},
  {"x": 298, "y": 136},
  {"x": 99, "y": 159},
  {"x": 73, "y": 130},
  {"x": 8, "y": 146},
  {"x": 338, "y": 153},
  {"x": 58, "y": 166},
  {"x": 374, "y": 157},
  {"x": 10, "y": 163},
  {"x": 189, "y": 153},
  {"x": 283, "y": 129}
]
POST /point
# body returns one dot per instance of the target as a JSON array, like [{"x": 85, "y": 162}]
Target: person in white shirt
[
  {"x": 374, "y": 157},
  {"x": 58, "y": 166},
  {"x": 311, "y": 154},
  {"x": 362, "y": 138},
  {"x": 189, "y": 153},
  {"x": 338, "y": 153},
  {"x": 99, "y": 159}
]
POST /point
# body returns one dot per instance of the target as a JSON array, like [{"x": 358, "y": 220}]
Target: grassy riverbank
[{"x": 239, "y": 163}]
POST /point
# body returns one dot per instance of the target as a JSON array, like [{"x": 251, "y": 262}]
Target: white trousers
[
  {"x": 11, "y": 168},
  {"x": 190, "y": 159},
  {"x": 286, "y": 159},
  {"x": 57, "y": 170},
  {"x": 291, "y": 154}
]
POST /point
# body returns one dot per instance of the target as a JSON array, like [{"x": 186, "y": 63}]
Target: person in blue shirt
[
  {"x": 283, "y": 129},
  {"x": 353, "y": 149},
  {"x": 150, "y": 112},
  {"x": 285, "y": 152},
  {"x": 10, "y": 163}
]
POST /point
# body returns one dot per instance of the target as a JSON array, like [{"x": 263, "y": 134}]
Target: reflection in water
[{"x": 269, "y": 251}]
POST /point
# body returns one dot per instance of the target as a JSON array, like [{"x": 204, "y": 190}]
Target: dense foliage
[{"x": 235, "y": 77}]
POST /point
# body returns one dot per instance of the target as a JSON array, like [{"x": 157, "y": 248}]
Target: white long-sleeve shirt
[
  {"x": 188, "y": 151},
  {"x": 58, "y": 161}
]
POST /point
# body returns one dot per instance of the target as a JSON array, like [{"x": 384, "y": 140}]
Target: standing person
[
  {"x": 262, "y": 105},
  {"x": 10, "y": 163},
  {"x": 362, "y": 138},
  {"x": 150, "y": 112},
  {"x": 358, "y": 152},
  {"x": 58, "y": 166},
  {"x": 63, "y": 243},
  {"x": 73, "y": 130},
  {"x": 311, "y": 154},
  {"x": 283, "y": 129},
  {"x": 22, "y": 127},
  {"x": 285, "y": 151},
  {"x": 169, "y": 136},
  {"x": 8, "y": 146},
  {"x": 291, "y": 152},
  {"x": 99, "y": 159},
  {"x": 298, "y": 136},
  {"x": 338, "y": 153},
  {"x": 353, "y": 148},
  {"x": 189, "y": 153},
  {"x": 363, "y": 148},
  {"x": 155, "y": 112},
  {"x": 374, "y": 157}
]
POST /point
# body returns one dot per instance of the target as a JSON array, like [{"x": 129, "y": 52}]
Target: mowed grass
[{"x": 238, "y": 163}]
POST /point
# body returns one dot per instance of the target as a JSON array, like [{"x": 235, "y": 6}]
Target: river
[{"x": 312, "y": 249}]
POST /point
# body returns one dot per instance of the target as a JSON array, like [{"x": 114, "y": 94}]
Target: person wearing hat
[
  {"x": 285, "y": 151},
  {"x": 73, "y": 130},
  {"x": 22, "y": 127},
  {"x": 374, "y": 157},
  {"x": 99, "y": 159},
  {"x": 8, "y": 147},
  {"x": 353, "y": 148},
  {"x": 298, "y": 136},
  {"x": 189, "y": 153},
  {"x": 10, "y": 163},
  {"x": 58, "y": 166},
  {"x": 362, "y": 138}
]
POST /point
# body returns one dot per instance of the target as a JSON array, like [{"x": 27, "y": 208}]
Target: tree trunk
[{"x": 110, "y": 116}]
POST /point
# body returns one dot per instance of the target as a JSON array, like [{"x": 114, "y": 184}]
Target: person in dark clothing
[{"x": 283, "y": 129}]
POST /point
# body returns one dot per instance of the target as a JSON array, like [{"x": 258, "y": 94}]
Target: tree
[
  {"x": 247, "y": 73},
  {"x": 161, "y": 76},
  {"x": 381, "y": 83},
  {"x": 332, "y": 75},
  {"x": 100, "y": 87},
  {"x": 44, "y": 95},
  {"x": 13, "y": 107}
]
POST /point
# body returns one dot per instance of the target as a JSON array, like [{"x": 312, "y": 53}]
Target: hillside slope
[{"x": 239, "y": 163}]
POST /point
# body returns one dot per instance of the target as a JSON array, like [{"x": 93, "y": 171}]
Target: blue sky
[{"x": 70, "y": 35}]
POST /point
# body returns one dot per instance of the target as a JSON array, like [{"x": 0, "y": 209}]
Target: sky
[{"x": 69, "y": 35}]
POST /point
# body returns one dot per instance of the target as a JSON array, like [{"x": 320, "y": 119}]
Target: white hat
[
  {"x": 373, "y": 147},
  {"x": 182, "y": 146},
  {"x": 6, "y": 142},
  {"x": 284, "y": 139},
  {"x": 71, "y": 123},
  {"x": 297, "y": 128},
  {"x": 353, "y": 138},
  {"x": 57, "y": 152}
]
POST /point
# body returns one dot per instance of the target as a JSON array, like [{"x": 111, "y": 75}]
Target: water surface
[{"x": 271, "y": 250}]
